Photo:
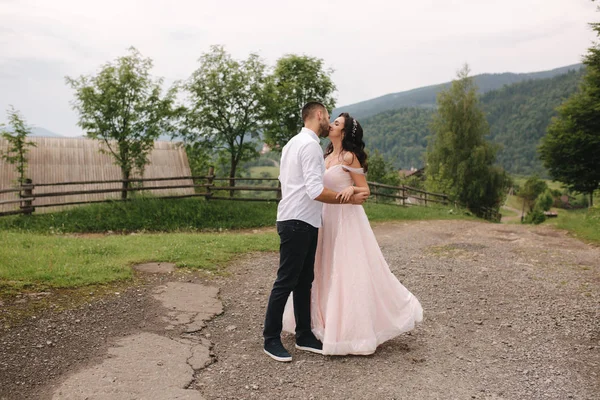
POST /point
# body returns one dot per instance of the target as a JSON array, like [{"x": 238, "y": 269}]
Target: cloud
[{"x": 375, "y": 47}]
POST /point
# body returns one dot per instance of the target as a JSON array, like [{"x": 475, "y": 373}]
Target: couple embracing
[{"x": 327, "y": 245}]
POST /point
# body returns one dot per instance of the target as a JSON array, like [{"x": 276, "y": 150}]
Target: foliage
[
  {"x": 123, "y": 107},
  {"x": 545, "y": 200},
  {"x": 400, "y": 135},
  {"x": 382, "y": 171},
  {"x": 199, "y": 158},
  {"x": 227, "y": 106},
  {"x": 295, "y": 81},
  {"x": 16, "y": 154},
  {"x": 518, "y": 116},
  {"x": 459, "y": 159},
  {"x": 532, "y": 188},
  {"x": 570, "y": 149}
]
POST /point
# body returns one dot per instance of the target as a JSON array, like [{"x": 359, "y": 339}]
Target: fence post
[
  {"x": 27, "y": 193},
  {"x": 425, "y": 199},
  {"x": 279, "y": 190},
  {"x": 403, "y": 195},
  {"x": 210, "y": 178},
  {"x": 375, "y": 190}
]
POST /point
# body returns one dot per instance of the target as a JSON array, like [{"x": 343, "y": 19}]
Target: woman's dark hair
[{"x": 352, "y": 140}]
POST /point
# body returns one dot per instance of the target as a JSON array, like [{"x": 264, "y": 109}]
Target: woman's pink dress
[{"x": 357, "y": 303}]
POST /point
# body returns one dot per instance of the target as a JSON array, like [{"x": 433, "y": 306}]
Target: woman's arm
[{"x": 359, "y": 179}]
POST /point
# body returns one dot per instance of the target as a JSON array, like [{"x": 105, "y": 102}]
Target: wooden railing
[{"x": 210, "y": 187}]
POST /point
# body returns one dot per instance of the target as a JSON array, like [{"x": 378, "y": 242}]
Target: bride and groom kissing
[{"x": 344, "y": 298}]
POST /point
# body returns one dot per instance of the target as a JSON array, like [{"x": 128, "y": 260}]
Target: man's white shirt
[{"x": 301, "y": 175}]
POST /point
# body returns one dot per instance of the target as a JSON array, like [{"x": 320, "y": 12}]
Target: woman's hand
[{"x": 345, "y": 194}]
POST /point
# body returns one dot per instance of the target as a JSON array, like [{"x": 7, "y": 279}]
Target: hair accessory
[{"x": 355, "y": 123}]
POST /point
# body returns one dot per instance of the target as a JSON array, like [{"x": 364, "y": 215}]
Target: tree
[
  {"x": 543, "y": 202},
  {"x": 123, "y": 107},
  {"x": 295, "y": 81},
  {"x": 532, "y": 188},
  {"x": 460, "y": 162},
  {"x": 16, "y": 154},
  {"x": 227, "y": 106},
  {"x": 570, "y": 148},
  {"x": 382, "y": 171}
]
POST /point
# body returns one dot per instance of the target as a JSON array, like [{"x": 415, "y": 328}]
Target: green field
[
  {"x": 57, "y": 251},
  {"x": 583, "y": 224},
  {"x": 260, "y": 172}
]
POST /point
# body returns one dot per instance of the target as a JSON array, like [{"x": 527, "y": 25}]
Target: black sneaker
[
  {"x": 310, "y": 343},
  {"x": 275, "y": 350}
]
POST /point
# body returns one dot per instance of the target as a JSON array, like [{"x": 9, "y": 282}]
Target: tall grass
[
  {"x": 187, "y": 215},
  {"x": 584, "y": 224},
  {"x": 149, "y": 214}
]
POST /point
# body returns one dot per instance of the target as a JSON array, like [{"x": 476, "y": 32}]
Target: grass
[
  {"x": 514, "y": 202},
  {"x": 508, "y": 212},
  {"x": 39, "y": 251},
  {"x": 150, "y": 215},
  {"x": 186, "y": 215},
  {"x": 256, "y": 172},
  {"x": 385, "y": 212},
  {"x": 520, "y": 180},
  {"x": 583, "y": 224},
  {"x": 57, "y": 261}
]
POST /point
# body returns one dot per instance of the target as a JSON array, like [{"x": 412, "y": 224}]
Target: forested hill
[
  {"x": 518, "y": 115},
  {"x": 426, "y": 96}
]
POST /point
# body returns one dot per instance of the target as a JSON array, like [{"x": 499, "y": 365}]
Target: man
[{"x": 298, "y": 221}]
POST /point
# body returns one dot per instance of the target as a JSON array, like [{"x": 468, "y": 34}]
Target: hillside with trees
[
  {"x": 426, "y": 96},
  {"x": 518, "y": 116}
]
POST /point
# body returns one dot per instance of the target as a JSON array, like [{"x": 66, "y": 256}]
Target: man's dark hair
[{"x": 310, "y": 108}]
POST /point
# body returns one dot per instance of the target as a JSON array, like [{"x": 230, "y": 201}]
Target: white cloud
[{"x": 376, "y": 47}]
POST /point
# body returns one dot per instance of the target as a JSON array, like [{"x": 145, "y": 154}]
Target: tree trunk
[
  {"x": 591, "y": 199},
  {"x": 232, "y": 174},
  {"x": 125, "y": 185}
]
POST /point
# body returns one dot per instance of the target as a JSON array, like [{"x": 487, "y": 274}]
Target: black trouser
[{"x": 296, "y": 272}]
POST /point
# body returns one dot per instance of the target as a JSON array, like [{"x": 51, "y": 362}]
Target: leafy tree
[
  {"x": 518, "y": 116},
  {"x": 570, "y": 149},
  {"x": 227, "y": 106},
  {"x": 542, "y": 203},
  {"x": 16, "y": 154},
  {"x": 532, "y": 188},
  {"x": 123, "y": 107},
  {"x": 295, "y": 81},
  {"x": 382, "y": 171},
  {"x": 460, "y": 162}
]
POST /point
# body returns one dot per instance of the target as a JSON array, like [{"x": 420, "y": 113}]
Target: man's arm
[
  {"x": 311, "y": 158},
  {"x": 330, "y": 197}
]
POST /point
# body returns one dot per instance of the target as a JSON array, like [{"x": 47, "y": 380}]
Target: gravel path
[{"x": 511, "y": 312}]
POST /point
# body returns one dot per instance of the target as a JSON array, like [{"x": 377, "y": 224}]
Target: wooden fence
[{"x": 29, "y": 197}]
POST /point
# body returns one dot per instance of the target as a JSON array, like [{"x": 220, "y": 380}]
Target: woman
[{"x": 356, "y": 301}]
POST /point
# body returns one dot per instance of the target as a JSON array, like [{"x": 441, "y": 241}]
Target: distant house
[{"x": 406, "y": 173}]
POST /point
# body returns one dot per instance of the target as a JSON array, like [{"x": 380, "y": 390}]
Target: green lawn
[
  {"x": 583, "y": 224},
  {"x": 256, "y": 172},
  {"x": 514, "y": 202},
  {"x": 40, "y": 251},
  {"x": 508, "y": 213},
  {"x": 58, "y": 261}
]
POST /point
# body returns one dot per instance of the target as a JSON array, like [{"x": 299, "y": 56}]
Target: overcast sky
[{"x": 375, "y": 47}]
